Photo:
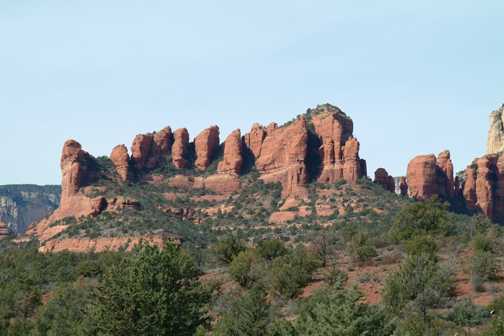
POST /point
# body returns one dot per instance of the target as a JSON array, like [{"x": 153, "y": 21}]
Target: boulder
[
  {"x": 233, "y": 158},
  {"x": 206, "y": 145},
  {"x": 120, "y": 159},
  {"x": 180, "y": 149}
]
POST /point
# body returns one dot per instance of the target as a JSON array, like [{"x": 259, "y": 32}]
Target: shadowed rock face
[
  {"x": 233, "y": 155},
  {"x": 483, "y": 188},
  {"x": 339, "y": 151},
  {"x": 384, "y": 179},
  {"x": 495, "y": 142}
]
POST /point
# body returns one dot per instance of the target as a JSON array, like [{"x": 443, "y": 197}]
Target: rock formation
[
  {"x": 429, "y": 176},
  {"x": 402, "y": 186},
  {"x": 233, "y": 158},
  {"x": 282, "y": 156},
  {"x": 23, "y": 205},
  {"x": 150, "y": 150},
  {"x": 495, "y": 142},
  {"x": 120, "y": 159},
  {"x": 255, "y": 139},
  {"x": 180, "y": 149},
  {"x": 384, "y": 179},
  {"x": 483, "y": 188},
  {"x": 206, "y": 146},
  {"x": 339, "y": 151}
]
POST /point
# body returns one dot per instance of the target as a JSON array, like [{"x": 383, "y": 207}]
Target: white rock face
[{"x": 495, "y": 142}]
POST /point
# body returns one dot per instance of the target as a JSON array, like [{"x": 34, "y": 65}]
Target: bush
[
  {"x": 483, "y": 268},
  {"x": 361, "y": 249},
  {"x": 466, "y": 314},
  {"x": 290, "y": 273},
  {"x": 420, "y": 218},
  {"x": 420, "y": 282},
  {"x": 228, "y": 248},
  {"x": 342, "y": 313},
  {"x": 422, "y": 245},
  {"x": 152, "y": 292},
  {"x": 242, "y": 268},
  {"x": 250, "y": 315},
  {"x": 271, "y": 249}
]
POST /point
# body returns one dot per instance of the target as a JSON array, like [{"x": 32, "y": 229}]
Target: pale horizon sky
[{"x": 417, "y": 77}]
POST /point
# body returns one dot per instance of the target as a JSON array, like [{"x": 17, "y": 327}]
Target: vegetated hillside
[{"x": 23, "y": 205}]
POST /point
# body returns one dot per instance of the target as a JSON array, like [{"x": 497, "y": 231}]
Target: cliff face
[
  {"x": 22, "y": 205},
  {"x": 495, "y": 142},
  {"x": 318, "y": 146}
]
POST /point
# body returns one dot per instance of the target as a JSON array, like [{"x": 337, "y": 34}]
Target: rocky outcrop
[
  {"x": 23, "y": 205},
  {"x": 495, "y": 142},
  {"x": 402, "y": 186},
  {"x": 120, "y": 159},
  {"x": 79, "y": 169},
  {"x": 483, "y": 188},
  {"x": 429, "y": 176},
  {"x": 446, "y": 176},
  {"x": 282, "y": 157},
  {"x": 384, "y": 179},
  {"x": 150, "y": 150},
  {"x": 206, "y": 145},
  {"x": 339, "y": 150},
  {"x": 180, "y": 149},
  {"x": 233, "y": 157},
  {"x": 86, "y": 245},
  {"x": 218, "y": 183},
  {"x": 255, "y": 139}
]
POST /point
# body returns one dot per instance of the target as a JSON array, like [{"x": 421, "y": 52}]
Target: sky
[{"x": 417, "y": 77}]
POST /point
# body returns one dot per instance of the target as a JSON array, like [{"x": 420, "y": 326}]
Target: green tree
[
  {"x": 250, "y": 315},
  {"x": 340, "y": 312},
  {"x": 271, "y": 249},
  {"x": 152, "y": 292},
  {"x": 244, "y": 266},
  {"x": 420, "y": 218},
  {"x": 228, "y": 248},
  {"x": 420, "y": 283}
]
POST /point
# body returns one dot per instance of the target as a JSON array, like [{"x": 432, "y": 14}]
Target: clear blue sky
[{"x": 416, "y": 76}]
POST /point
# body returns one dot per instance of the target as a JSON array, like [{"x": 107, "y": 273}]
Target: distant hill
[{"x": 22, "y": 205}]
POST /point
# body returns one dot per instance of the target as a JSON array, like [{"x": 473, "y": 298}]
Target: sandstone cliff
[{"x": 495, "y": 142}]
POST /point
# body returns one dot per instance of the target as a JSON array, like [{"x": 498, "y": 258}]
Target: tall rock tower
[{"x": 496, "y": 133}]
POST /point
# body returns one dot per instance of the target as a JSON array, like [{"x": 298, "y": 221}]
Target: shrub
[
  {"x": 361, "y": 249},
  {"x": 228, "y": 248},
  {"x": 466, "y": 314},
  {"x": 152, "y": 292},
  {"x": 420, "y": 218},
  {"x": 340, "y": 312},
  {"x": 250, "y": 315},
  {"x": 271, "y": 249},
  {"x": 483, "y": 268},
  {"x": 290, "y": 273},
  {"x": 421, "y": 282},
  {"x": 242, "y": 268},
  {"x": 422, "y": 245}
]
